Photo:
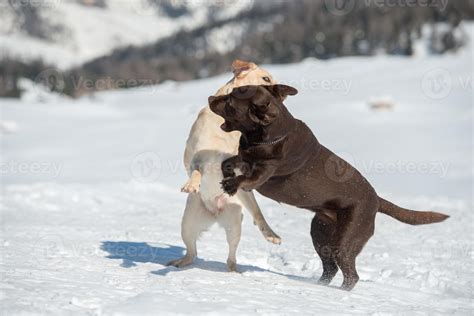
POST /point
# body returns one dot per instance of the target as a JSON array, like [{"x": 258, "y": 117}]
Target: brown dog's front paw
[
  {"x": 228, "y": 169},
  {"x": 230, "y": 185}
]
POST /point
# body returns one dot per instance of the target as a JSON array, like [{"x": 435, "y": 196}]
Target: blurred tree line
[{"x": 271, "y": 32}]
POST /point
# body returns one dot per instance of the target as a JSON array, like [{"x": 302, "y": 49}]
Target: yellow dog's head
[{"x": 245, "y": 74}]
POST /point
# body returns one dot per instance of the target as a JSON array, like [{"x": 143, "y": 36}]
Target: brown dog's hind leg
[
  {"x": 322, "y": 231},
  {"x": 354, "y": 228}
]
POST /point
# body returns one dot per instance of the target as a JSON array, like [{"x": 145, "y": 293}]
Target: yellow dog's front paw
[
  {"x": 274, "y": 239},
  {"x": 268, "y": 233},
  {"x": 190, "y": 187},
  {"x": 193, "y": 184}
]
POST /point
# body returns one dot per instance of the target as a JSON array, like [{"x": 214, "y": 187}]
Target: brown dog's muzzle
[{"x": 217, "y": 105}]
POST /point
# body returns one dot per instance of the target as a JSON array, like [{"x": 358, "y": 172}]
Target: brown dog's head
[{"x": 248, "y": 108}]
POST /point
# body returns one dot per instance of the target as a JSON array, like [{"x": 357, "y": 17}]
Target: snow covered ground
[{"x": 91, "y": 208}]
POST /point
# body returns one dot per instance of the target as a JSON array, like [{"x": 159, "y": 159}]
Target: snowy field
[{"x": 91, "y": 208}]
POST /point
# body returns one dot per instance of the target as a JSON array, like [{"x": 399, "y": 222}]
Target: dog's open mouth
[{"x": 225, "y": 127}]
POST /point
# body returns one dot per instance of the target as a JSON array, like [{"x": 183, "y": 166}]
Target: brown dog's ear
[
  {"x": 281, "y": 91},
  {"x": 239, "y": 67}
]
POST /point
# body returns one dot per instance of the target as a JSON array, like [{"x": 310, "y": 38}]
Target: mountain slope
[
  {"x": 121, "y": 42},
  {"x": 283, "y": 32},
  {"x": 69, "y": 33}
]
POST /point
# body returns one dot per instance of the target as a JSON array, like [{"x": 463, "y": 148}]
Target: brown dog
[{"x": 281, "y": 158}]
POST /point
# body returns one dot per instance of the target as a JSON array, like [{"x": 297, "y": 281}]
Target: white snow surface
[{"x": 91, "y": 208}]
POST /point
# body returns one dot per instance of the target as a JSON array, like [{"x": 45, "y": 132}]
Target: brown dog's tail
[{"x": 409, "y": 216}]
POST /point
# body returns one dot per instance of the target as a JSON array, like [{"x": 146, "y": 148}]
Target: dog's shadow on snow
[{"x": 132, "y": 253}]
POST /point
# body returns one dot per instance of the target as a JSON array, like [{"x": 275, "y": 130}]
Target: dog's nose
[
  {"x": 214, "y": 104},
  {"x": 211, "y": 99}
]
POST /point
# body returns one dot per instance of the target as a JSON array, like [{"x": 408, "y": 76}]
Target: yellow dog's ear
[{"x": 240, "y": 67}]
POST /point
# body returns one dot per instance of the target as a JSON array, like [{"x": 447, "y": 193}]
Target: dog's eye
[
  {"x": 229, "y": 110},
  {"x": 267, "y": 79},
  {"x": 261, "y": 106}
]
